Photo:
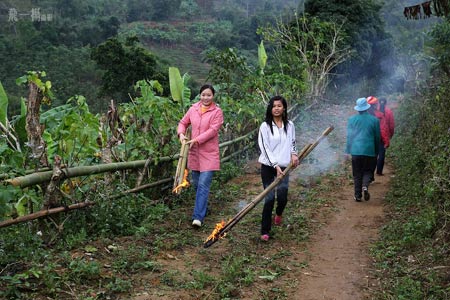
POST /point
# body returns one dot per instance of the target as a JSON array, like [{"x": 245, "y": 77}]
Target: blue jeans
[{"x": 202, "y": 183}]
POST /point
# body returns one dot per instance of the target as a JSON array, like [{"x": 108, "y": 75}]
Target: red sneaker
[
  {"x": 277, "y": 220},
  {"x": 265, "y": 237}
]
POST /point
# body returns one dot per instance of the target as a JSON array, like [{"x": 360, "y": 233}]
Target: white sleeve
[
  {"x": 292, "y": 138},
  {"x": 264, "y": 145}
]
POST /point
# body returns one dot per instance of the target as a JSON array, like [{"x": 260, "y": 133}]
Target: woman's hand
[
  {"x": 182, "y": 137},
  {"x": 294, "y": 160},
  {"x": 280, "y": 173},
  {"x": 191, "y": 143}
]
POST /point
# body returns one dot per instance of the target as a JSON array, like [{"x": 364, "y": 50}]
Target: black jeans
[
  {"x": 280, "y": 192},
  {"x": 381, "y": 156},
  {"x": 362, "y": 169}
]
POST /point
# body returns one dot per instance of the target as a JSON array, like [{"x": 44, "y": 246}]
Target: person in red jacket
[
  {"x": 386, "y": 126},
  {"x": 389, "y": 124},
  {"x": 206, "y": 119}
]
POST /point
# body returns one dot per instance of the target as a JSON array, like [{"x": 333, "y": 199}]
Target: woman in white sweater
[{"x": 277, "y": 143}]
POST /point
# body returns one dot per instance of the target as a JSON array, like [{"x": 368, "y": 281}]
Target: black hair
[
  {"x": 208, "y": 86},
  {"x": 382, "y": 103},
  {"x": 269, "y": 116}
]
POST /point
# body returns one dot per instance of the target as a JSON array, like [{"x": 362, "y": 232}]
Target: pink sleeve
[{"x": 184, "y": 123}]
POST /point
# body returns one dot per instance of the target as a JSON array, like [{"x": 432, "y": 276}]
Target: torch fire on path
[{"x": 222, "y": 228}]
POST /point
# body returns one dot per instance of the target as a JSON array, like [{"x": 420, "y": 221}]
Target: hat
[
  {"x": 362, "y": 105},
  {"x": 372, "y": 100}
]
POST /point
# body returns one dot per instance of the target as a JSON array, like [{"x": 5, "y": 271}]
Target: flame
[
  {"x": 215, "y": 234},
  {"x": 184, "y": 183}
]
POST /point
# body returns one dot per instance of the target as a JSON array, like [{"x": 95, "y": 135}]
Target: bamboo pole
[
  {"x": 227, "y": 158},
  {"x": 45, "y": 212},
  {"x": 230, "y": 224},
  {"x": 176, "y": 181},
  {"x": 181, "y": 166},
  {"x": 40, "y": 177}
]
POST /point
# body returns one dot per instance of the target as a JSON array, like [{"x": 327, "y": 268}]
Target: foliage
[
  {"x": 71, "y": 131},
  {"x": 150, "y": 123},
  {"x": 415, "y": 243},
  {"x": 125, "y": 63},
  {"x": 162, "y": 33},
  {"x": 3, "y": 105},
  {"x": 262, "y": 57},
  {"x": 365, "y": 34},
  {"x": 9, "y": 136},
  {"x": 227, "y": 67},
  {"x": 43, "y": 87},
  {"x": 441, "y": 38},
  {"x": 77, "y": 27},
  {"x": 247, "y": 83},
  {"x": 188, "y": 9},
  {"x": 317, "y": 45},
  {"x": 178, "y": 87}
]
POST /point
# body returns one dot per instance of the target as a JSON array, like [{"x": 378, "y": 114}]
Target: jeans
[
  {"x": 362, "y": 169},
  {"x": 380, "y": 162},
  {"x": 280, "y": 192},
  {"x": 202, "y": 183}
]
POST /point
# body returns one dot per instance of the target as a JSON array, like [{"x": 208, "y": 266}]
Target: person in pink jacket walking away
[{"x": 206, "y": 119}]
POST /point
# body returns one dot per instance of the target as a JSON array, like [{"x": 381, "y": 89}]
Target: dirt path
[{"x": 339, "y": 267}]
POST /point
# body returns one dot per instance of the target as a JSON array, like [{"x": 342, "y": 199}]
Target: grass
[
  {"x": 169, "y": 257},
  {"x": 186, "y": 59},
  {"x": 412, "y": 256}
]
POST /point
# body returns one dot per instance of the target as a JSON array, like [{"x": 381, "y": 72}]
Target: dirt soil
[
  {"x": 339, "y": 266},
  {"x": 333, "y": 263}
]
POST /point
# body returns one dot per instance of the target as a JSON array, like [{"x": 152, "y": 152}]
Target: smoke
[
  {"x": 328, "y": 155},
  {"x": 409, "y": 38}
]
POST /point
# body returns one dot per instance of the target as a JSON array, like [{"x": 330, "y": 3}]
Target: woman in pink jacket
[{"x": 205, "y": 118}]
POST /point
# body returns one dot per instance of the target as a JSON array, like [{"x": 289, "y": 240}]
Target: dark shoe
[
  {"x": 366, "y": 193},
  {"x": 357, "y": 199},
  {"x": 380, "y": 174}
]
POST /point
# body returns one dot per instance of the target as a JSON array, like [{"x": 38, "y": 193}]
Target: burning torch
[
  {"x": 182, "y": 172},
  {"x": 223, "y": 227}
]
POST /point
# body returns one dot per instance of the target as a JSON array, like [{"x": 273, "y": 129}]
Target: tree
[
  {"x": 124, "y": 64},
  {"x": 318, "y": 45},
  {"x": 164, "y": 9},
  {"x": 188, "y": 9},
  {"x": 441, "y": 46},
  {"x": 139, "y": 10},
  {"x": 365, "y": 33},
  {"x": 227, "y": 67}
]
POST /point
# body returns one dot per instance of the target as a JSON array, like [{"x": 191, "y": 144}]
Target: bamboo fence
[{"x": 45, "y": 175}]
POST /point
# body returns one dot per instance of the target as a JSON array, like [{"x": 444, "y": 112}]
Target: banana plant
[
  {"x": 178, "y": 87},
  {"x": 5, "y": 126},
  {"x": 262, "y": 57}
]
